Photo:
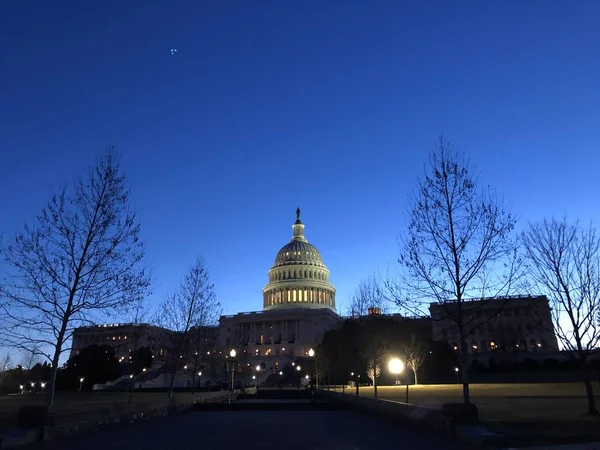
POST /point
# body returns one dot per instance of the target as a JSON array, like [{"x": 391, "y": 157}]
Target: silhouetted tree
[
  {"x": 415, "y": 351},
  {"x": 458, "y": 247},
  {"x": 369, "y": 294},
  {"x": 565, "y": 263},
  {"x": 80, "y": 260},
  {"x": 193, "y": 305}
]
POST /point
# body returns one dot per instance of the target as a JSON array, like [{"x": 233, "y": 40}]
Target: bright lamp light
[
  {"x": 232, "y": 353},
  {"x": 311, "y": 353},
  {"x": 395, "y": 366}
]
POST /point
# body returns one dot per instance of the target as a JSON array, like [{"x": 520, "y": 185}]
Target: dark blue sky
[{"x": 270, "y": 105}]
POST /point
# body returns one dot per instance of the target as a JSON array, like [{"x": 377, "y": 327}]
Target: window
[{"x": 262, "y": 339}]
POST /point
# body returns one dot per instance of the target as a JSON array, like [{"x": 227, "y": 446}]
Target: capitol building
[{"x": 298, "y": 307}]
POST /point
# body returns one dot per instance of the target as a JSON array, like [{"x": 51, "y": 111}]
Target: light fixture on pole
[
  {"x": 81, "y": 383},
  {"x": 232, "y": 353},
  {"x": 456, "y": 370},
  {"x": 311, "y": 353},
  {"x": 396, "y": 367}
]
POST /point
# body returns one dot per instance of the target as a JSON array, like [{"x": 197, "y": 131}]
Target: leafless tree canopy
[
  {"x": 193, "y": 306},
  {"x": 458, "y": 245},
  {"x": 80, "y": 260},
  {"x": 566, "y": 267},
  {"x": 414, "y": 354},
  {"x": 565, "y": 263},
  {"x": 368, "y": 294}
]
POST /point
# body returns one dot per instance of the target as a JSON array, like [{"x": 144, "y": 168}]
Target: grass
[
  {"x": 73, "y": 403},
  {"x": 528, "y": 414}
]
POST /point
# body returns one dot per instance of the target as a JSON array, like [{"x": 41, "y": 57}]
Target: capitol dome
[{"x": 298, "y": 278}]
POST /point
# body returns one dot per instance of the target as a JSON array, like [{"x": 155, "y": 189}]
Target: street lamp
[
  {"x": 311, "y": 353},
  {"x": 396, "y": 367},
  {"x": 22, "y": 389},
  {"x": 232, "y": 353},
  {"x": 280, "y": 372},
  {"x": 43, "y": 384},
  {"x": 81, "y": 383},
  {"x": 298, "y": 368},
  {"x": 457, "y": 370}
]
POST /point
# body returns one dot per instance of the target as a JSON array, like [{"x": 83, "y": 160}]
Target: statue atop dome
[{"x": 298, "y": 216}]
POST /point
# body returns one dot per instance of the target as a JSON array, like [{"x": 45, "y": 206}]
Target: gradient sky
[{"x": 270, "y": 105}]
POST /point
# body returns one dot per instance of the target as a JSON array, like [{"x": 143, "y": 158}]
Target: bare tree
[
  {"x": 79, "y": 261},
  {"x": 31, "y": 357},
  {"x": 5, "y": 362},
  {"x": 459, "y": 246},
  {"x": 369, "y": 294},
  {"x": 414, "y": 354},
  {"x": 193, "y": 305},
  {"x": 565, "y": 263}
]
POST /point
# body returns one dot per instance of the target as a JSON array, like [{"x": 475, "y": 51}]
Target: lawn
[
  {"x": 73, "y": 403},
  {"x": 526, "y": 413}
]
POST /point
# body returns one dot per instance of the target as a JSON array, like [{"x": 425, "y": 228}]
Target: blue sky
[{"x": 270, "y": 105}]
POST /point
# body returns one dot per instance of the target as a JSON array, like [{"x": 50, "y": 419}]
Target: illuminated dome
[{"x": 298, "y": 278}]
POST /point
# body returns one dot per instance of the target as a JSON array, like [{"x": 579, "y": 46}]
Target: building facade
[
  {"x": 504, "y": 325},
  {"x": 298, "y": 308},
  {"x": 125, "y": 338}
]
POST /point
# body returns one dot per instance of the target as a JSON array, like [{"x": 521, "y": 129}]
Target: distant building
[
  {"x": 298, "y": 308},
  {"x": 505, "y": 324},
  {"x": 124, "y": 338}
]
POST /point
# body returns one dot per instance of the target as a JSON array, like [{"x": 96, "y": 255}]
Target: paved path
[{"x": 289, "y": 430}]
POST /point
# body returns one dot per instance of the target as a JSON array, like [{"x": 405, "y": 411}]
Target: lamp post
[
  {"x": 395, "y": 366},
  {"x": 232, "y": 353},
  {"x": 22, "y": 387},
  {"x": 311, "y": 354},
  {"x": 81, "y": 383},
  {"x": 256, "y": 377},
  {"x": 456, "y": 370}
]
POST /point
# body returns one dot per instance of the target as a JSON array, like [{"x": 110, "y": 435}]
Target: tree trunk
[
  {"x": 375, "y": 382},
  {"x": 590, "y": 397},
  {"x": 415, "y": 372},
  {"x": 57, "y": 351},
  {"x": 195, "y": 373},
  {"x": 464, "y": 360},
  {"x": 53, "y": 377}
]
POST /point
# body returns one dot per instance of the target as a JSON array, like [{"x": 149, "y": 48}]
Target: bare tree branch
[
  {"x": 458, "y": 246},
  {"x": 565, "y": 263},
  {"x": 369, "y": 294},
  {"x": 193, "y": 306},
  {"x": 79, "y": 261}
]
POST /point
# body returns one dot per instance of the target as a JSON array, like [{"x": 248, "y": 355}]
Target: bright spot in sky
[{"x": 173, "y": 51}]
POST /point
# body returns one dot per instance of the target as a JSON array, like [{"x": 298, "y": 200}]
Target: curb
[
  {"x": 588, "y": 446},
  {"x": 428, "y": 419},
  {"x": 103, "y": 420}
]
